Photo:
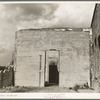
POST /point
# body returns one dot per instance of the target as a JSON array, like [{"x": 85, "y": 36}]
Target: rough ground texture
[{"x": 53, "y": 89}]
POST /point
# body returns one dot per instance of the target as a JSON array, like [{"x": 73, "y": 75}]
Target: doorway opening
[
  {"x": 99, "y": 41},
  {"x": 53, "y": 74}
]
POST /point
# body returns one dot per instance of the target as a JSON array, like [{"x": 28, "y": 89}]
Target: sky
[{"x": 14, "y": 17}]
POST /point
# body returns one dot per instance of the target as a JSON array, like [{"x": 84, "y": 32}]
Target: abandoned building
[
  {"x": 49, "y": 56},
  {"x": 64, "y": 57}
]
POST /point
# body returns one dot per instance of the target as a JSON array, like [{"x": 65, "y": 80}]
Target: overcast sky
[{"x": 20, "y": 16}]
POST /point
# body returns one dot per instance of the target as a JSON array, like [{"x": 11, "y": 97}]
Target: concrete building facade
[{"x": 52, "y": 56}]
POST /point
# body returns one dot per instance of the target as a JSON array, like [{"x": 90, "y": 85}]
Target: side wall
[
  {"x": 74, "y": 56},
  {"x": 95, "y": 56}
]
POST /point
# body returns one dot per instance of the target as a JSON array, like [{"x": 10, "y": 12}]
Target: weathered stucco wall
[
  {"x": 95, "y": 55},
  {"x": 74, "y": 56}
]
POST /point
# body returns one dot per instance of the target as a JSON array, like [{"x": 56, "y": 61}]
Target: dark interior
[
  {"x": 99, "y": 41},
  {"x": 53, "y": 75}
]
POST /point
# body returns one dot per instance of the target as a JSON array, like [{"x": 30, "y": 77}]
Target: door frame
[{"x": 45, "y": 66}]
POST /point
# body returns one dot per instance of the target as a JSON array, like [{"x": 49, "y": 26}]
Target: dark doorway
[
  {"x": 99, "y": 41},
  {"x": 53, "y": 75}
]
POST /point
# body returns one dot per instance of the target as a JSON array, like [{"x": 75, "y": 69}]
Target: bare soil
[{"x": 53, "y": 89}]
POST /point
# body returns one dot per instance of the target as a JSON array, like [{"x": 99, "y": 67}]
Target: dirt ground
[{"x": 50, "y": 89}]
